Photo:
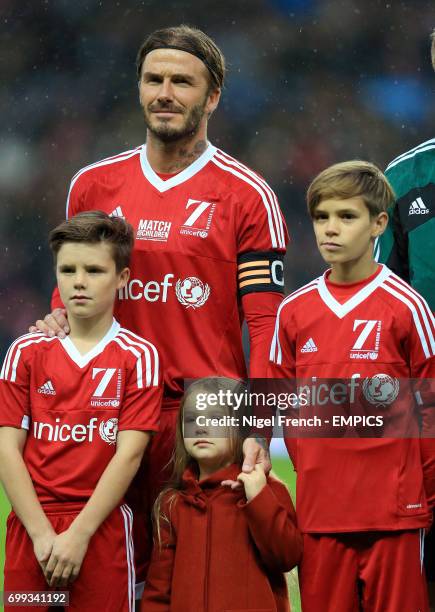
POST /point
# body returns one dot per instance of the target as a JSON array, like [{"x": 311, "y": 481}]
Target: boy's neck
[
  {"x": 352, "y": 272},
  {"x": 86, "y": 333}
]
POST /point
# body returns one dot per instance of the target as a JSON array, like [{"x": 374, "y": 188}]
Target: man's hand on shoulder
[{"x": 53, "y": 324}]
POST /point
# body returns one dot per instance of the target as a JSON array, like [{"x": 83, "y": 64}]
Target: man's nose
[{"x": 166, "y": 91}]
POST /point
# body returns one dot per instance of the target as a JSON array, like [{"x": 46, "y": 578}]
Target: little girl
[{"x": 219, "y": 549}]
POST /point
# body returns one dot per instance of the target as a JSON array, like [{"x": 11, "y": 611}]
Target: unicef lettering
[
  {"x": 77, "y": 433},
  {"x": 64, "y": 433},
  {"x": 191, "y": 292},
  {"x": 152, "y": 291}
]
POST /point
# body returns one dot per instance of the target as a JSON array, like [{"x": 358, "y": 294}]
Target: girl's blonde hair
[{"x": 181, "y": 459}]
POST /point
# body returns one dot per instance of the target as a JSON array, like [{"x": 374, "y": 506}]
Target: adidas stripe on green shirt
[{"x": 408, "y": 244}]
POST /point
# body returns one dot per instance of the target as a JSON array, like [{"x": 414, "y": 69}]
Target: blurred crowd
[{"x": 310, "y": 82}]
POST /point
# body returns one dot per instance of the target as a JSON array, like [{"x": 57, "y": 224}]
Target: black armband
[{"x": 260, "y": 271}]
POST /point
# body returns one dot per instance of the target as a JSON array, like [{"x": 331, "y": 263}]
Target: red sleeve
[
  {"x": 142, "y": 400},
  {"x": 422, "y": 358},
  {"x": 282, "y": 358},
  {"x": 15, "y": 386},
  {"x": 261, "y": 225},
  {"x": 282, "y": 366},
  {"x": 56, "y": 301},
  {"x": 157, "y": 593},
  {"x": 260, "y": 314},
  {"x": 272, "y": 524}
]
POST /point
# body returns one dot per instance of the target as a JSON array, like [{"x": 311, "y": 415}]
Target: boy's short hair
[
  {"x": 352, "y": 179},
  {"x": 94, "y": 227}
]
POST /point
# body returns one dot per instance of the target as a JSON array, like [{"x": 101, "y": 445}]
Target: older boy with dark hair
[
  {"x": 363, "y": 503},
  {"x": 76, "y": 415}
]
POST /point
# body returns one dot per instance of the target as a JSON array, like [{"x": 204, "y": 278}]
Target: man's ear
[{"x": 213, "y": 100}]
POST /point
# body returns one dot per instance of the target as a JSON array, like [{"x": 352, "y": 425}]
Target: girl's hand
[
  {"x": 253, "y": 482},
  {"x": 68, "y": 552}
]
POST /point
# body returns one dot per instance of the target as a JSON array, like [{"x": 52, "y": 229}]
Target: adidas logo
[
  {"x": 47, "y": 388},
  {"x": 117, "y": 212},
  {"x": 418, "y": 207},
  {"x": 309, "y": 347}
]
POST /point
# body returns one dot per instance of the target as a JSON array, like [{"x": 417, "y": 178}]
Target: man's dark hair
[
  {"x": 189, "y": 39},
  {"x": 94, "y": 227}
]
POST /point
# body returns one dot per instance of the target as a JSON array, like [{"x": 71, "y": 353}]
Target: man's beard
[{"x": 166, "y": 133}]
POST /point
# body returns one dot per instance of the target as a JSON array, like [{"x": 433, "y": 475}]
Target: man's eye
[{"x": 95, "y": 270}]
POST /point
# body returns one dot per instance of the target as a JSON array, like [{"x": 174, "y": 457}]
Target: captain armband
[{"x": 260, "y": 271}]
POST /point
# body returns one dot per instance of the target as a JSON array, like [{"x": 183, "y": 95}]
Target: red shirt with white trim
[
  {"x": 73, "y": 405},
  {"x": 383, "y": 334},
  {"x": 184, "y": 291}
]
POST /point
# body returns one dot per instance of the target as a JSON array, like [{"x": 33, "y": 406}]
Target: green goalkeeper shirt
[{"x": 408, "y": 244}]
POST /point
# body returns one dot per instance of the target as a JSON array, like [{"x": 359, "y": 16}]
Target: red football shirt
[
  {"x": 190, "y": 230},
  {"x": 73, "y": 405},
  {"x": 383, "y": 332}
]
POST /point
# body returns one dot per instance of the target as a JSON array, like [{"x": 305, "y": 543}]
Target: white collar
[
  {"x": 178, "y": 178},
  {"x": 83, "y": 360},
  {"x": 341, "y": 310}
]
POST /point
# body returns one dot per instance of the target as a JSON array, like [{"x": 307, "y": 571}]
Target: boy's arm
[
  {"x": 21, "y": 493},
  {"x": 282, "y": 370},
  {"x": 422, "y": 365},
  {"x": 15, "y": 414},
  {"x": 69, "y": 547},
  {"x": 426, "y": 404}
]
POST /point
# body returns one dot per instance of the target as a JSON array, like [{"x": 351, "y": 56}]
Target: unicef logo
[
  {"x": 192, "y": 292},
  {"x": 108, "y": 430},
  {"x": 381, "y": 389}
]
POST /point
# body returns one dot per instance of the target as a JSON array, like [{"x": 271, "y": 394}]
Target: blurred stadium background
[{"x": 310, "y": 82}]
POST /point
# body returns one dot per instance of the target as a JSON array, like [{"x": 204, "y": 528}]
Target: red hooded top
[{"x": 220, "y": 553}]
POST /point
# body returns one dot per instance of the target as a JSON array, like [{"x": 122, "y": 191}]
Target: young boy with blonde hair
[
  {"x": 76, "y": 415},
  {"x": 363, "y": 502}
]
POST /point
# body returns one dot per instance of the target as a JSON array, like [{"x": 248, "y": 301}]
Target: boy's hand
[
  {"x": 42, "y": 547},
  {"x": 54, "y": 324},
  {"x": 253, "y": 482},
  {"x": 69, "y": 550}
]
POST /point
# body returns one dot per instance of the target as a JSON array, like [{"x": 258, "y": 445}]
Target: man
[
  {"x": 408, "y": 245},
  {"x": 210, "y": 237}
]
